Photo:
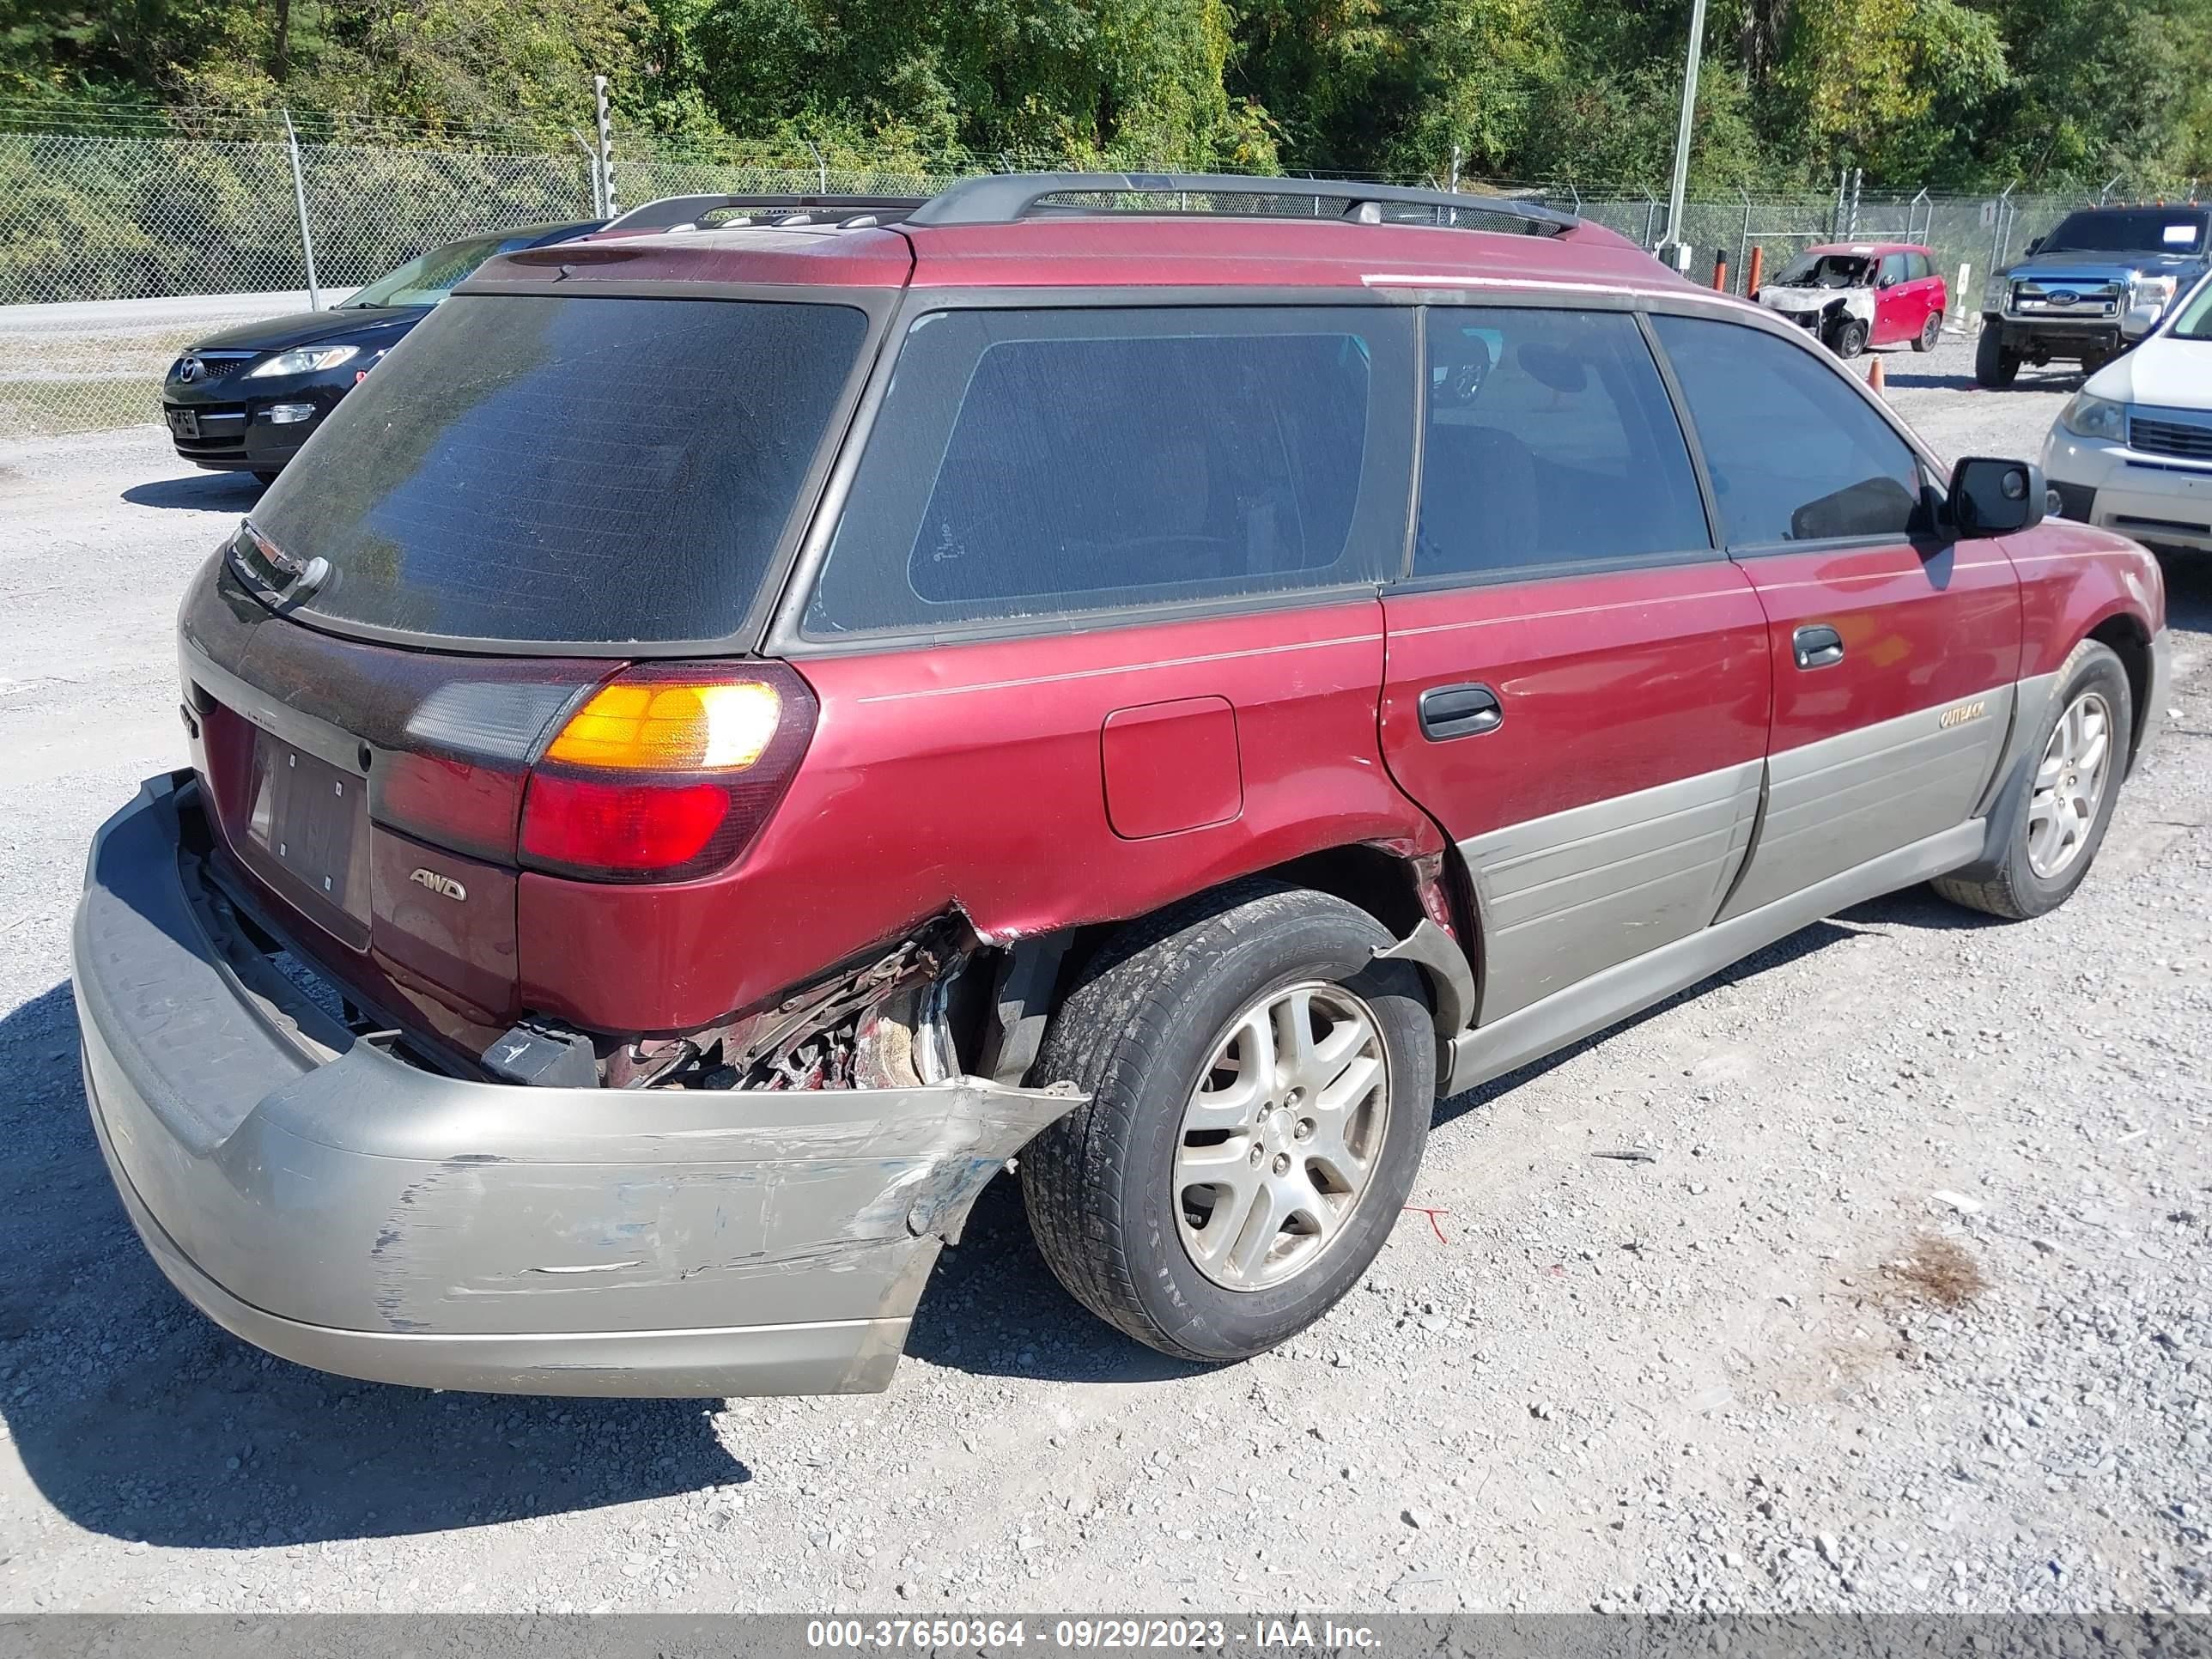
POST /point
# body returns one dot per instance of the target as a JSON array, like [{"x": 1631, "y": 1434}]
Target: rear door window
[
  {"x": 1036, "y": 463},
  {"x": 1795, "y": 454},
  {"x": 566, "y": 471},
  {"x": 1550, "y": 443}
]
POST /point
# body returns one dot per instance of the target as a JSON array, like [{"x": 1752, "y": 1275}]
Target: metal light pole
[
  {"x": 300, "y": 200},
  {"x": 1682, "y": 132}
]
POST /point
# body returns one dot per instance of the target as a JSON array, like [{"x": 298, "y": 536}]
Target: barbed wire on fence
[{"x": 124, "y": 233}]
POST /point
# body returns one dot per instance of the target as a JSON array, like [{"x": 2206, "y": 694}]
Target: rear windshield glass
[
  {"x": 2131, "y": 230},
  {"x": 571, "y": 470}
]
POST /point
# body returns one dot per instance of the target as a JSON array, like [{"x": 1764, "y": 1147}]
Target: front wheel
[
  {"x": 2053, "y": 819},
  {"x": 1994, "y": 366},
  {"x": 1931, "y": 332},
  {"x": 1260, "y": 1090},
  {"x": 1850, "y": 337}
]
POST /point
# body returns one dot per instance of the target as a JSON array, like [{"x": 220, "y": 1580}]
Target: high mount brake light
[{"x": 667, "y": 773}]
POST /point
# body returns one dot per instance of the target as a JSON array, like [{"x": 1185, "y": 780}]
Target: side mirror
[
  {"x": 1885, "y": 281},
  {"x": 1990, "y": 497},
  {"x": 2141, "y": 320},
  {"x": 2034, "y": 246}
]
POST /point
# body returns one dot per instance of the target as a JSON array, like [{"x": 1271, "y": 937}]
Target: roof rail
[
  {"x": 671, "y": 211},
  {"x": 1004, "y": 198}
]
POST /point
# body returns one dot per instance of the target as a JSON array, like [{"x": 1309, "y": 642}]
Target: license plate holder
[
  {"x": 184, "y": 422},
  {"x": 310, "y": 824}
]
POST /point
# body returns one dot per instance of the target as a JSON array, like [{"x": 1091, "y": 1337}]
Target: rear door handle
[
  {"x": 1459, "y": 711},
  {"x": 1818, "y": 646}
]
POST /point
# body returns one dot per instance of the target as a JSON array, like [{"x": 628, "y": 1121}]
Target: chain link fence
[{"x": 118, "y": 252}]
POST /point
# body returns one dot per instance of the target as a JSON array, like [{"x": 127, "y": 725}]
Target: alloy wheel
[
  {"x": 1280, "y": 1138},
  {"x": 2070, "y": 785}
]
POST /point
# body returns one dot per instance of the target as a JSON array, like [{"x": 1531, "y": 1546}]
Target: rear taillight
[{"x": 667, "y": 772}]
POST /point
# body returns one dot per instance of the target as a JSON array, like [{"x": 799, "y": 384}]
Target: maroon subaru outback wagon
[{"x": 731, "y": 736}]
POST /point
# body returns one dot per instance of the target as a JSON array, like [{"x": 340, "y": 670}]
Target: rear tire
[
  {"x": 1183, "y": 1032},
  {"x": 2052, "y": 821},
  {"x": 1931, "y": 332},
  {"x": 1994, "y": 366}
]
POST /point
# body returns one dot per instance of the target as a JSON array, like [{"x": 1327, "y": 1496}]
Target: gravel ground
[{"x": 1909, "y": 1306}]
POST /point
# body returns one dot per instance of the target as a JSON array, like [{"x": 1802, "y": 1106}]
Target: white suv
[{"x": 2132, "y": 451}]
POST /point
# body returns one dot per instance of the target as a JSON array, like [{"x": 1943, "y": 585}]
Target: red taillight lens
[
  {"x": 667, "y": 772},
  {"x": 585, "y": 824}
]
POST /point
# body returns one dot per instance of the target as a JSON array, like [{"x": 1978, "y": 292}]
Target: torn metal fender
[{"x": 1451, "y": 980}]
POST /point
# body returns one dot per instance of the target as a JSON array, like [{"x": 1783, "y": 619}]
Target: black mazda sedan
[{"x": 246, "y": 399}]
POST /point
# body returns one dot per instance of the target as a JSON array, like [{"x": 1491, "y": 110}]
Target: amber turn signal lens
[{"x": 663, "y": 727}]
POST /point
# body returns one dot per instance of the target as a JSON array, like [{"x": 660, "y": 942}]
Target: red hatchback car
[
  {"x": 729, "y": 738},
  {"x": 1855, "y": 294}
]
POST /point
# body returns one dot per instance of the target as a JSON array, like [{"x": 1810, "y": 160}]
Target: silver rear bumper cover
[{"x": 359, "y": 1213}]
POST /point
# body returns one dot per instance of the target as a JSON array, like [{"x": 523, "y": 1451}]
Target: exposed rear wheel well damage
[
  {"x": 1403, "y": 893},
  {"x": 1385, "y": 885},
  {"x": 993, "y": 1000},
  {"x": 2131, "y": 642}
]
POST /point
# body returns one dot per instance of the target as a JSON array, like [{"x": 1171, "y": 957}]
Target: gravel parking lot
[{"x": 1905, "y": 1301}]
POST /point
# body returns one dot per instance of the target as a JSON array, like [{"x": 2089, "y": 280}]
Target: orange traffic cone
[{"x": 1878, "y": 377}]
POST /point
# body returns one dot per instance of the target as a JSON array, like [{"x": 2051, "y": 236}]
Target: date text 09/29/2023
[{"x": 1256, "y": 1634}]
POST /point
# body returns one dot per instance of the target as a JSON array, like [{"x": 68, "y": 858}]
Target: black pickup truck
[{"x": 2091, "y": 289}]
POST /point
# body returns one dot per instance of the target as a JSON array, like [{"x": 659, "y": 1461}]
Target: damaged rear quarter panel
[{"x": 969, "y": 777}]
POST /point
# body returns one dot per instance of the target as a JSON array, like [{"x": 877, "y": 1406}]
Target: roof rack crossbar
[
  {"x": 1004, "y": 198},
  {"x": 669, "y": 211}
]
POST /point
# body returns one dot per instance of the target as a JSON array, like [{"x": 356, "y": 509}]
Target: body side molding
[
  {"x": 1607, "y": 998},
  {"x": 1439, "y": 957},
  {"x": 1835, "y": 803},
  {"x": 1572, "y": 893}
]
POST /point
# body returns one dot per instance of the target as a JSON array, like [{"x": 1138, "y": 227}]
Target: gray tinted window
[
  {"x": 1893, "y": 267},
  {"x": 1037, "y": 462},
  {"x": 1795, "y": 454},
  {"x": 1550, "y": 442},
  {"x": 1917, "y": 268},
  {"x": 2130, "y": 230},
  {"x": 567, "y": 470}
]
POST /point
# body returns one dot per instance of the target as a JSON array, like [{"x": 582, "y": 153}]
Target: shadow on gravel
[
  {"x": 993, "y": 1309},
  {"x": 1799, "y": 945},
  {"x": 205, "y": 492},
  {"x": 2188, "y": 592},
  {"x": 1919, "y": 907},
  {"x": 1929, "y": 380},
  {"x": 137, "y": 1418}
]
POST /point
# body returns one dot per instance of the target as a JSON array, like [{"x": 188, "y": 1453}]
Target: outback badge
[
  {"x": 1958, "y": 715},
  {"x": 444, "y": 886}
]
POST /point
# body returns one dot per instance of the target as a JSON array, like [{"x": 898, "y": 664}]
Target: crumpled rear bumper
[{"x": 343, "y": 1208}]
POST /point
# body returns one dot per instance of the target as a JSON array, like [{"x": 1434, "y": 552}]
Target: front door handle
[
  {"x": 1818, "y": 646},
  {"x": 1459, "y": 711}
]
